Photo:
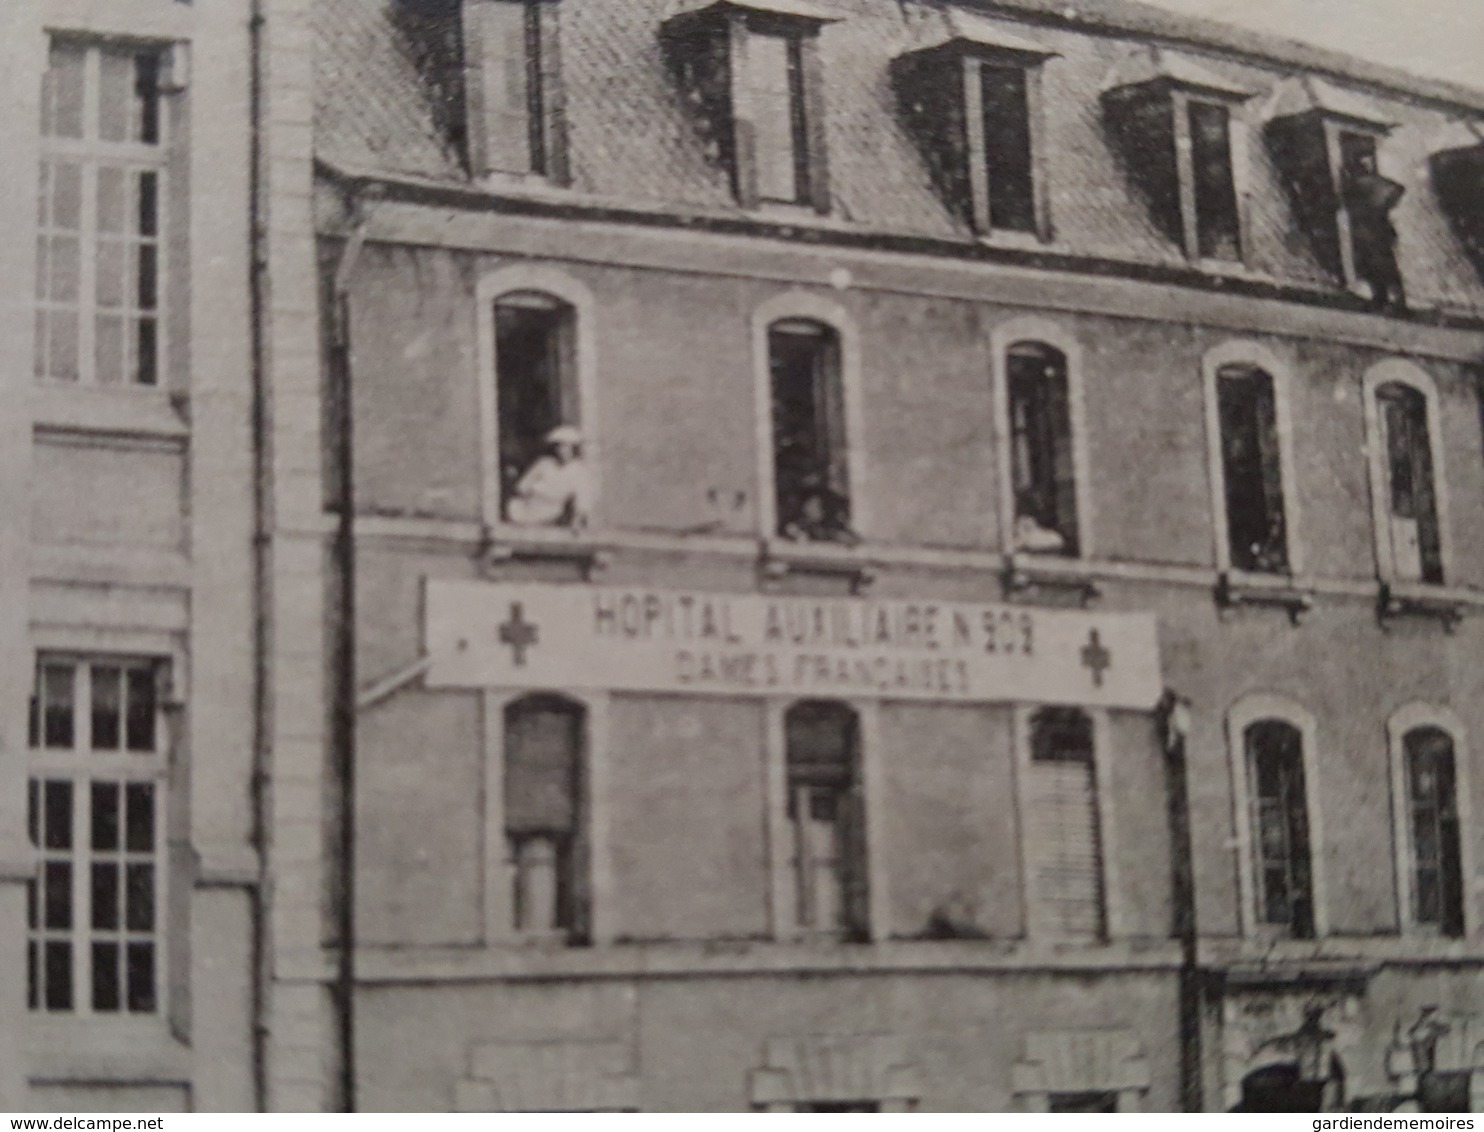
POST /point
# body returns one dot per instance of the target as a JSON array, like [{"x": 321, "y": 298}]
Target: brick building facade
[{"x": 1004, "y": 639}]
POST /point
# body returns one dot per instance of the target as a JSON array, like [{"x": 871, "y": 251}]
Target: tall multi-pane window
[
  {"x": 1063, "y": 847},
  {"x": 95, "y": 818},
  {"x": 826, "y": 818},
  {"x": 1280, "y": 827},
  {"x": 772, "y": 74},
  {"x": 1432, "y": 811},
  {"x": 1252, "y": 470},
  {"x": 1007, "y": 147},
  {"x": 100, "y": 262},
  {"x": 544, "y": 741},
  {"x": 1218, "y": 229},
  {"x": 1411, "y": 503},
  {"x": 1042, "y": 474}
]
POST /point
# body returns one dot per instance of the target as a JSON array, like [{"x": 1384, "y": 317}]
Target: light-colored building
[
  {"x": 844, "y": 554},
  {"x": 127, "y": 875}
]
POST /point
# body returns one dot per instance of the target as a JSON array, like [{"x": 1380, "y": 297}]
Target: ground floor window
[{"x": 95, "y": 822}]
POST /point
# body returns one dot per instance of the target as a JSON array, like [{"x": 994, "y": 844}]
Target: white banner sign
[{"x": 494, "y": 635}]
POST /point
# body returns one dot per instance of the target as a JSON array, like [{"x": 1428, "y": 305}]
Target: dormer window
[
  {"x": 970, "y": 99},
  {"x": 1457, "y": 164},
  {"x": 1326, "y": 144},
  {"x": 1174, "y": 123},
  {"x": 751, "y": 73}
]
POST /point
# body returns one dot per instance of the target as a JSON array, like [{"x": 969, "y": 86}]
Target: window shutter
[
  {"x": 855, "y": 890},
  {"x": 1062, "y": 851},
  {"x": 744, "y": 143},
  {"x": 829, "y": 394},
  {"x": 816, "y": 124},
  {"x": 1063, "y": 475},
  {"x": 553, "y": 95},
  {"x": 500, "y": 131}
]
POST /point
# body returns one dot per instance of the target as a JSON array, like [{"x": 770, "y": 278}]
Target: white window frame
[
  {"x": 783, "y": 925},
  {"x": 809, "y": 307},
  {"x": 1002, "y": 338},
  {"x": 498, "y": 918},
  {"x": 1115, "y": 920},
  {"x": 1401, "y": 372},
  {"x": 1253, "y": 355},
  {"x": 1401, "y": 723},
  {"x": 90, "y": 153},
  {"x": 82, "y": 766},
  {"x": 1252, "y": 709},
  {"x": 533, "y": 278}
]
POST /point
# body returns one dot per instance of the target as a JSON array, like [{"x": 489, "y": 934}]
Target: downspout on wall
[
  {"x": 257, "y": 267},
  {"x": 343, "y": 755}
]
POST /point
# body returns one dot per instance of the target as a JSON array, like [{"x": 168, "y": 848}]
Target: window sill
[
  {"x": 89, "y": 1047},
  {"x": 138, "y": 411},
  {"x": 1028, "y": 575},
  {"x": 1423, "y": 600},
  {"x": 1238, "y": 588},
  {"x": 1010, "y": 238},
  {"x": 504, "y": 543},
  {"x": 1278, "y": 959},
  {"x": 392, "y": 965},
  {"x": 780, "y": 558}
]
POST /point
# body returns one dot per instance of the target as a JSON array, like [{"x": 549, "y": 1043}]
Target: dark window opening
[
  {"x": 1082, "y": 1102},
  {"x": 1433, "y": 819},
  {"x": 826, "y": 816},
  {"x": 544, "y": 742},
  {"x": 1369, "y": 198},
  {"x": 1042, "y": 473},
  {"x": 1281, "y": 1088},
  {"x": 838, "y": 1106},
  {"x": 1007, "y": 145},
  {"x": 1445, "y": 1092},
  {"x": 1218, "y": 230},
  {"x": 1252, "y": 470},
  {"x": 1411, "y": 499},
  {"x": 809, "y": 445},
  {"x": 1280, "y": 827},
  {"x": 536, "y": 387}
]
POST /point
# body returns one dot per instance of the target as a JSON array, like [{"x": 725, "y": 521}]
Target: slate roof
[{"x": 632, "y": 142}]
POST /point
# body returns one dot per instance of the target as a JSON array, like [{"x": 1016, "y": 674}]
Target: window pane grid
[
  {"x": 99, "y": 259},
  {"x": 93, "y": 905}
]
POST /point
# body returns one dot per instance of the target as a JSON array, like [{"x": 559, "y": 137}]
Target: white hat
[{"x": 564, "y": 434}]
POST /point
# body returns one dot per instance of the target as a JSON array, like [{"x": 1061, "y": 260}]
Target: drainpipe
[
  {"x": 257, "y": 299},
  {"x": 1174, "y": 716},
  {"x": 344, "y": 710}
]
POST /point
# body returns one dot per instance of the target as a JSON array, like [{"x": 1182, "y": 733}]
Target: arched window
[
  {"x": 1063, "y": 846},
  {"x": 826, "y": 817},
  {"x": 1433, "y": 829},
  {"x": 1251, "y": 470},
  {"x": 810, "y": 462},
  {"x": 536, "y": 382},
  {"x": 1042, "y": 468},
  {"x": 545, "y": 743},
  {"x": 1281, "y": 857},
  {"x": 1409, "y": 491}
]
